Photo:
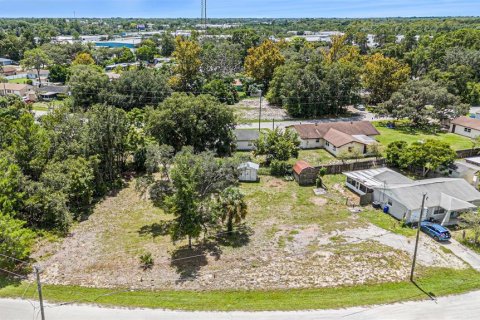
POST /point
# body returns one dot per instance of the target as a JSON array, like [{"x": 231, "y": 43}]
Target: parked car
[
  {"x": 360, "y": 107},
  {"x": 436, "y": 231}
]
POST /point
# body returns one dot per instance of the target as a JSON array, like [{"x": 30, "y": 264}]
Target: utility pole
[
  {"x": 260, "y": 113},
  {"x": 39, "y": 287},
  {"x": 418, "y": 237},
  {"x": 273, "y": 124}
]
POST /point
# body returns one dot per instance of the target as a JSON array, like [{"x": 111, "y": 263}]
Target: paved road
[
  {"x": 454, "y": 307},
  {"x": 366, "y": 116}
]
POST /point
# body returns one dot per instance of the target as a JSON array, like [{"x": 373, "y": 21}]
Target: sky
[{"x": 239, "y": 8}]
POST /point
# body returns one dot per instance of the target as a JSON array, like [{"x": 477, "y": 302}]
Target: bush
[
  {"x": 15, "y": 240},
  {"x": 146, "y": 261},
  {"x": 279, "y": 168}
]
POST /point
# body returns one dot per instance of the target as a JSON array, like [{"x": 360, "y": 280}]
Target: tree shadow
[
  {"x": 7, "y": 281},
  {"x": 188, "y": 261},
  {"x": 239, "y": 237},
  {"x": 156, "y": 229}
]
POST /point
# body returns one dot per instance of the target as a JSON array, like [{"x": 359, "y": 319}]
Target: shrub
[
  {"x": 146, "y": 261},
  {"x": 279, "y": 168}
]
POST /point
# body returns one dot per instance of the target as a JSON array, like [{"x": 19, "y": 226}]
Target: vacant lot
[
  {"x": 292, "y": 239},
  {"x": 410, "y": 135},
  {"x": 249, "y": 110}
]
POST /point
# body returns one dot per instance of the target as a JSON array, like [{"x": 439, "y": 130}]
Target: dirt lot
[
  {"x": 248, "y": 109},
  {"x": 292, "y": 239}
]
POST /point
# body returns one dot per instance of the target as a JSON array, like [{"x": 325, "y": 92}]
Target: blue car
[{"x": 435, "y": 231}]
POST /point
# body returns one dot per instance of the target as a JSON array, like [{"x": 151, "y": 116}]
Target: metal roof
[
  {"x": 248, "y": 165},
  {"x": 379, "y": 177}
]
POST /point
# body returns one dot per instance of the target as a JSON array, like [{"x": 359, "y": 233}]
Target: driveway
[
  {"x": 464, "y": 253},
  {"x": 452, "y": 307}
]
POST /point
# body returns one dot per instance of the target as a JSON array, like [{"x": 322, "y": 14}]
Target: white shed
[{"x": 248, "y": 172}]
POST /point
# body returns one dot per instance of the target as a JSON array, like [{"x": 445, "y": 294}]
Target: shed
[
  {"x": 304, "y": 173},
  {"x": 248, "y": 172}
]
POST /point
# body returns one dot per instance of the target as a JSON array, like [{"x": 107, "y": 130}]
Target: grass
[
  {"x": 314, "y": 157},
  {"x": 435, "y": 281},
  {"x": 468, "y": 241},
  {"x": 19, "y": 81},
  {"x": 410, "y": 135},
  {"x": 387, "y": 222}
]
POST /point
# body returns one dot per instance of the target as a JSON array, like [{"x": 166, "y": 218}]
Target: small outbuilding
[
  {"x": 304, "y": 173},
  {"x": 246, "y": 139},
  {"x": 248, "y": 172}
]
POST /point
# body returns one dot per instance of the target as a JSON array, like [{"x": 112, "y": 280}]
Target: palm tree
[{"x": 232, "y": 206}]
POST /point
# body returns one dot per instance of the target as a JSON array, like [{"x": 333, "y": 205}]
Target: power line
[
  {"x": 14, "y": 274},
  {"x": 13, "y": 258}
]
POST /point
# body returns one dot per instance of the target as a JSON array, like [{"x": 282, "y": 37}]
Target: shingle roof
[
  {"x": 14, "y": 86},
  {"x": 318, "y": 130},
  {"x": 247, "y": 135},
  {"x": 300, "y": 166},
  {"x": 338, "y": 138},
  {"x": 467, "y": 122},
  {"x": 410, "y": 195}
]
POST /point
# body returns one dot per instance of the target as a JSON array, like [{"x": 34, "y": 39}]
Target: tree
[
  {"x": 246, "y": 38},
  {"x": 198, "y": 121},
  {"x": 106, "y": 137},
  {"x": 125, "y": 56},
  {"x": 375, "y": 150},
  {"x": 223, "y": 90},
  {"x": 394, "y": 153},
  {"x": 221, "y": 60},
  {"x": 167, "y": 43},
  {"x": 196, "y": 181},
  {"x": 232, "y": 207},
  {"x": 471, "y": 220},
  {"x": 83, "y": 59},
  {"x": 16, "y": 240},
  {"x": 315, "y": 88},
  {"x": 75, "y": 177},
  {"x": 421, "y": 100},
  {"x": 86, "y": 83},
  {"x": 11, "y": 179},
  {"x": 429, "y": 156},
  {"x": 187, "y": 65},
  {"x": 36, "y": 59},
  {"x": 278, "y": 145},
  {"x": 138, "y": 88},
  {"x": 58, "y": 73},
  {"x": 262, "y": 61},
  {"x": 383, "y": 76},
  {"x": 147, "y": 51}
]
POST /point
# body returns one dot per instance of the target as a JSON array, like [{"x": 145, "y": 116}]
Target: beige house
[
  {"x": 14, "y": 88},
  {"x": 465, "y": 126},
  {"x": 337, "y": 137}
]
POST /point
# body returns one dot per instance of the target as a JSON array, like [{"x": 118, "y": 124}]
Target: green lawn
[
  {"x": 315, "y": 157},
  {"x": 436, "y": 282},
  {"x": 409, "y": 135},
  {"x": 21, "y": 80},
  {"x": 387, "y": 222}
]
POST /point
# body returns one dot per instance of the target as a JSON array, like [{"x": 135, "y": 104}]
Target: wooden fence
[{"x": 354, "y": 166}]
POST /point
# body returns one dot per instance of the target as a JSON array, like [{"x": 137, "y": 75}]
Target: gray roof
[
  {"x": 455, "y": 194},
  {"x": 247, "y": 135},
  {"x": 378, "y": 177},
  {"x": 54, "y": 89},
  {"x": 248, "y": 165}
]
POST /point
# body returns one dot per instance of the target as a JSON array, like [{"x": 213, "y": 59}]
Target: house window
[
  {"x": 390, "y": 202},
  {"x": 350, "y": 149},
  {"x": 438, "y": 210},
  {"x": 327, "y": 143},
  {"x": 467, "y": 130},
  {"x": 363, "y": 188},
  {"x": 334, "y": 148},
  {"x": 317, "y": 141},
  {"x": 350, "y": 181}
]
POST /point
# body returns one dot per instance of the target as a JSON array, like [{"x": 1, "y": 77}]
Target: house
[
  {"x": 304, "y": 173},
  {"x": 246, "y": 139},
  {"x": 401, "y": 197},
  {"x": 33, "y": 74},
  {"x": 465, "y": 126},
  {"x": 14, "y": 88},
  {"x": 8, "y": 71},
  {"x": 467, "y": 169},
  {"x": 50, "y": 92},
  {"x": 248, "y": 172},
  {"x": 6, "y": 62},
  {"x": 337, "y": 137}
]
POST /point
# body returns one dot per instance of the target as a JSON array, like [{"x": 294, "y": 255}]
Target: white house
[
  {"x": 465, "y": 126},
  {"x": 467, "y": 169},
  {"x": 248, "y": 172},
  {"x": 401, "y": 197},
  {"x": 337, "y": 137},
  {"x": 246, "y": 139}
]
